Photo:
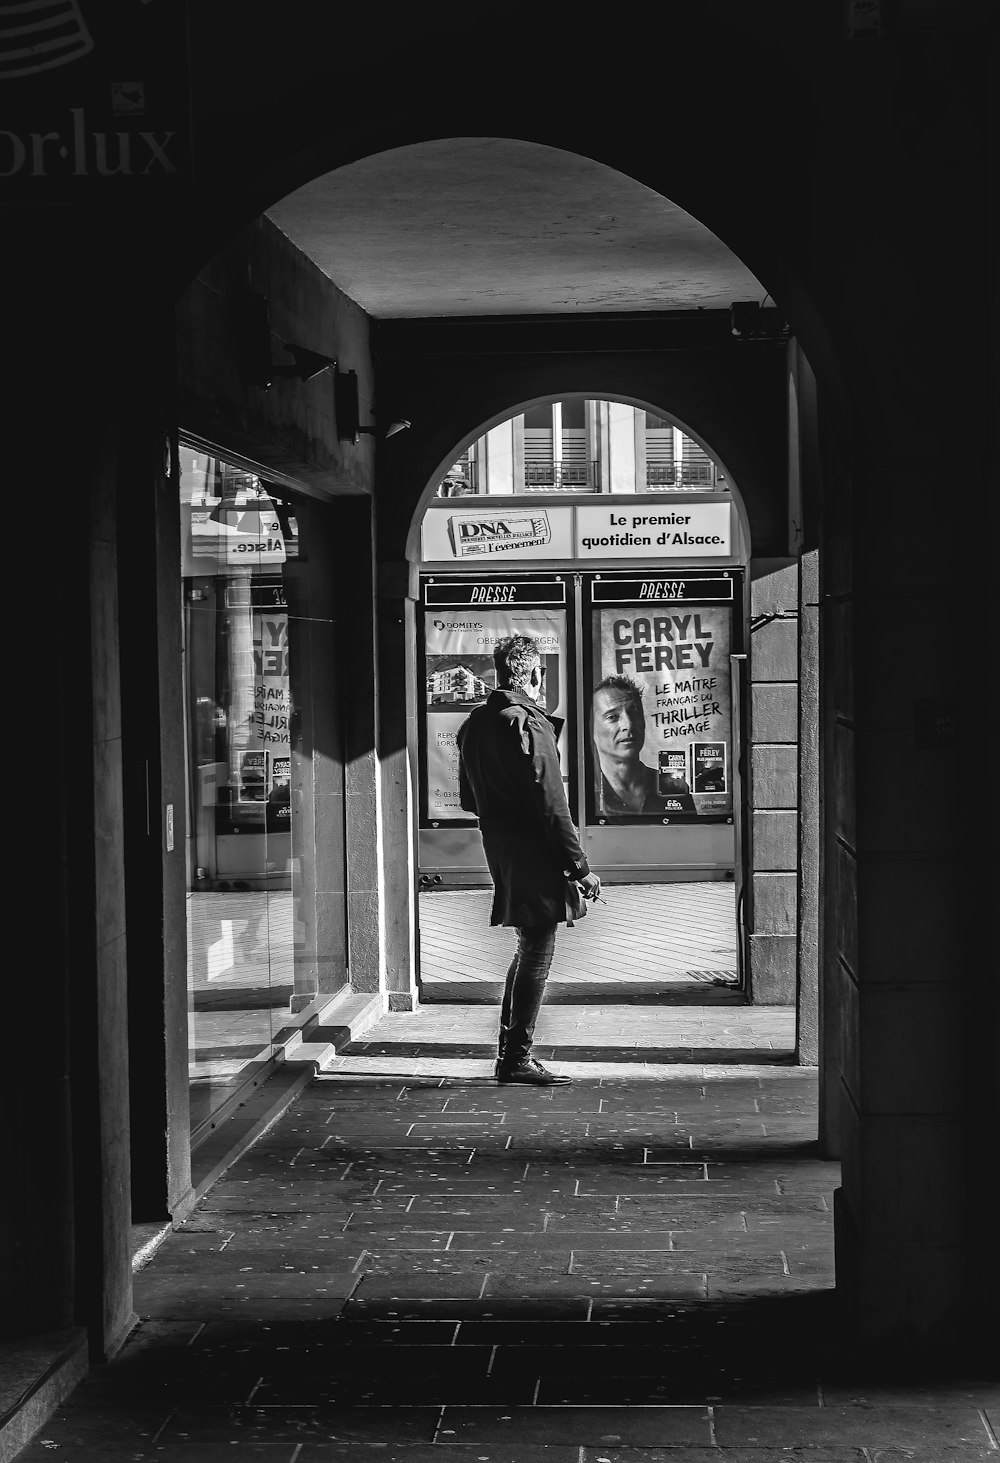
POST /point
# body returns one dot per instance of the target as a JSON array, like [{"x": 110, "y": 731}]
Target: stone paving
[
  {"x": 653, "y": 934},
  {"x": 640, "y": 1034},
  {"x": 645, "y": 938},
  {"x": 423, "y": 1267}
]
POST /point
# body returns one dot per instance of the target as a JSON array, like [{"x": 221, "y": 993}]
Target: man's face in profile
[{"x": 619, "y": 724}]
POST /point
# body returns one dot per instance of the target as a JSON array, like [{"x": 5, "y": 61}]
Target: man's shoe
[{"x": 529, "y": 1073}]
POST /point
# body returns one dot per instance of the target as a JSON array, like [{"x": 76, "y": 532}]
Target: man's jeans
[{"x": 524, "y": 991}]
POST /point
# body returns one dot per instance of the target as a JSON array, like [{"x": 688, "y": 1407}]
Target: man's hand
[{"x": 591, "y": 886}]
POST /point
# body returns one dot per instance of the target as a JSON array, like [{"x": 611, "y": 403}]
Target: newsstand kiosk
[{"x": 655, "y": 641}]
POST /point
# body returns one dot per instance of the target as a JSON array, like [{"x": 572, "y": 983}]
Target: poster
[
  {"x": 271, "y": 700},
  {"x": 460, "y": 675},
  {"x": 279, "y": 799},
  {"x": 262, "y": 779},
  {"x": 253, "y": 777},
  {"x": 660, "y": 714}
]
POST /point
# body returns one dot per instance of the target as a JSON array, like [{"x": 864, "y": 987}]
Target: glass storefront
[{"x": 251, "y": 969}]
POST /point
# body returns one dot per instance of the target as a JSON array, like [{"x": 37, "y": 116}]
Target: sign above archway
[{"x": 525, "y": 531}]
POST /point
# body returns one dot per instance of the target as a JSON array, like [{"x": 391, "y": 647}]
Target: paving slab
[
  {"x": 936, "y": 1453},
  {"x": 585, "y": 1426},
  {"x": 238, "y": 1427},
  {"x": 109, "y": 1449},
  {"x": 725, "y": 1455},
  {"x": 454, "y": 1453},
  {"x": 679, "y": 1285},
  {"x": 861, "y": 1426}
]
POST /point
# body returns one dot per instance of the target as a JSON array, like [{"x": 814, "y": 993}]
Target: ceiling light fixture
[
  {"x": 307, "y": 363},
  {"x": 391, "y": 429},
  {"x": 750, "y": 321},
  {"x": 253, "y": 337}
]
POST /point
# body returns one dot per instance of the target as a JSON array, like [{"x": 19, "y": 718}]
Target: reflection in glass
[{"x": 237, "y": 540}]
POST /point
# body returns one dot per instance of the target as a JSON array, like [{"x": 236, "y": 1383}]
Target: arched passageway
[
  {"x": 820, "y": 186},
  {"x": 724, "y": 394},
  {"x": 725, "y": 391},
  {"x": 466, "y": 363}
]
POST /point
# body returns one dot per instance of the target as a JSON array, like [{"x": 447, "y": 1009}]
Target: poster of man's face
[{"x": 619, "y": 721}]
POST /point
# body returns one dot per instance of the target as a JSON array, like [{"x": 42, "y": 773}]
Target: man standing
[{"x": 510, "y": 777}]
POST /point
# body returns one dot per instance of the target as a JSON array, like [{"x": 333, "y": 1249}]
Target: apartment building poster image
[
  {"x": 266, "y": 752},
  {"x": 660, "y": 713},
  {"x": 460, "y": 675}
]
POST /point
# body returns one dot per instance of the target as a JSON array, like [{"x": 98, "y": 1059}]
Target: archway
[
  {"x": 424, "y": 362},
  {"x": 673, "y": 348},
  {"x": 778, "y": 173},
  {"x": 565, "y": 468},
  {"x": 724, "y": 390}
]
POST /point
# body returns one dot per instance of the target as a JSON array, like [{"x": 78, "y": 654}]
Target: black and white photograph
[{"x": 491, "y": 495}]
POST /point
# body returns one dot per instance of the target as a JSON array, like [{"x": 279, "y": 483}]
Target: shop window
[{"x": 249, "y": 971}]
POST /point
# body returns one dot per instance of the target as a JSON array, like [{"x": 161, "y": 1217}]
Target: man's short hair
[
  {"x": 631, "y": 688},
  {"x": 514, "y": 658}
]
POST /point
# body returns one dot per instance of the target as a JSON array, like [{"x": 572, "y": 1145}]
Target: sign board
[
  {"x": 93, "y": 96},
  {"x": 497, "y": 534},
  {"x": 657, "y": 590},
  {"x": 495, "y": 592},
  {"x": 613, "y": 530},
  {"x": 654, "y": 531},
  {"x": 247, "y": 533}
]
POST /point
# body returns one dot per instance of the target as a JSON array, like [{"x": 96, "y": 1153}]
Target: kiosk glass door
[
  {"x": 462, "y": 623},
  {"x": 656, "y": 716}
]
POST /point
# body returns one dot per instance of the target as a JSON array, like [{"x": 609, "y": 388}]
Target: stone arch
[
  {"x": 406, "y": 465},
  {"x": 723, "y": 408}
]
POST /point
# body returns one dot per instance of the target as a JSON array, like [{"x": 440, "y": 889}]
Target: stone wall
[{"x": 770, "y": 917}]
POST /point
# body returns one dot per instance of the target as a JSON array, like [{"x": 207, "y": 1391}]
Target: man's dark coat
[{"x": 509, "y": 776}]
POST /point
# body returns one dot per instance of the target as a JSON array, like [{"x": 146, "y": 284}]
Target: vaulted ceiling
[{"x": 495, "y": 226}]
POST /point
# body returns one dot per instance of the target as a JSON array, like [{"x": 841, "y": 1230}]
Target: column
[
  {"x": 773, "y": 668},
  {"x": 621, "y": 447},
  {"x": 322, "y": 696},
  {"x": 397, "y": 660},
  {"x": 497, "y": 460},
  {"x": 363, "y": 826}
]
